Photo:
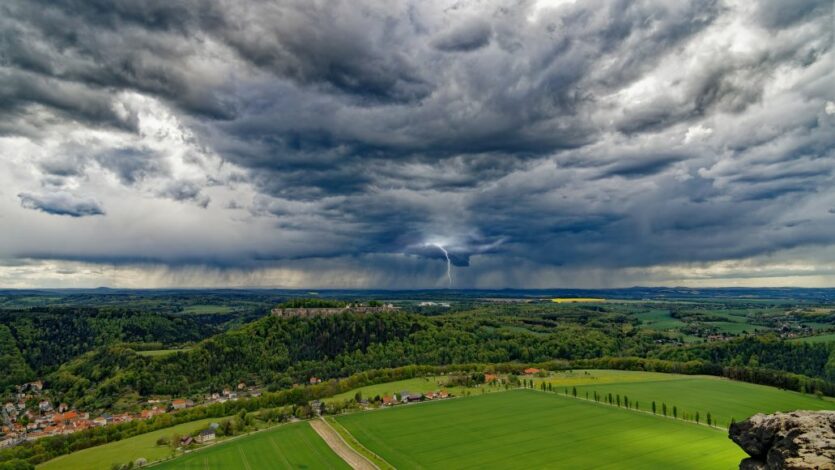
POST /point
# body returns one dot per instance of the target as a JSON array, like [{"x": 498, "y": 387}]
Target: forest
[{"x": 279, "y": 352}]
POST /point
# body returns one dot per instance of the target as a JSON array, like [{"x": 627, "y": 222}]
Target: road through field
[{"x": 340, "y": 447}]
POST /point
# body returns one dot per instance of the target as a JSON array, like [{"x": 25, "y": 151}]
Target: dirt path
[{"x": 338, "y": 445}]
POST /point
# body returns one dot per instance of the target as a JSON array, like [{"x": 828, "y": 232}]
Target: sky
[{"x": 416, "y": 143}]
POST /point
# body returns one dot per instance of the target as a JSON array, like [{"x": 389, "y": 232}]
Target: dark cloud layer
[
  {"x": 61, "y": 204},
  {"x": 572, "y": 134}
]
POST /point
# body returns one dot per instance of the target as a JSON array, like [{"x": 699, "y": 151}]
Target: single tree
[
  {"x": 709, "y": 420},
  {"x": 664, "y": 409},
  {"x": 653, "y": 407},
  {"x": 675, "y": 412},
  {"x": 697, "y": 417},
  {"x": 574, "y": 391}
]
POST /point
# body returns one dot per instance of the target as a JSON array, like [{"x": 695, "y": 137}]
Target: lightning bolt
[{"x": 448, "y": 263}]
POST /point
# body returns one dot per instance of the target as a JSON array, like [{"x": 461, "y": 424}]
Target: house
[
  {"x": 205, "y": 436},
  {"x": 430, "y": 395},
  {"x": 103, "y": 420},
  {"x": 45, "y": 406},
  {"x": 531, "y": 371},
  {"x": 178, "y": 404},
  {"x": 241, "y": 386},
  {"x": 146, "y": 414},
  {"x": 67, "y": 417},
  {"x": 388, "y": 400},
  {"x": 186, "y": 441},
  {"x": 490, "y": 378},
  {"x": 315, "y": 380},
  {"x": 63, "y": 407},
  {"x": 443, "y": 394},
  {"x": 407, "y": 397}
]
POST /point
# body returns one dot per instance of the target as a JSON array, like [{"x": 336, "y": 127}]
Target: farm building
[{"x": 206, "y": 436}]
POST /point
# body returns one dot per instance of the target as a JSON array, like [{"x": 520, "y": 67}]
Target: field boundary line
[
  {"x": 647, "y": 412},
  {"x": 345, "y": 451}
]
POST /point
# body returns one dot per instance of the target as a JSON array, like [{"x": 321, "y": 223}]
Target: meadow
[
  {"x": 415, "y": 385},
  {"x": 127, "y": 450},
  {"x": 724, "y": 399},
  {"x": 161, "y": 352},
  {"x": 825, "y": 338},
  {"x": 531, "y": 429},
  {"x": 288, "y": 446}
]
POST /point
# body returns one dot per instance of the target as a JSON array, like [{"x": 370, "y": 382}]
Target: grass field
[
  {"x": 289, "y": 446},
  {"x": 724, "y": 399},
  {"x": 529, "y": 429},
  {"x": 161, "y": 352},
  {"x": 827, "y": 338},
  {"x": 144, "y": 445},
  {"x": 604, "y": 376},
  {"x": 571, "y": 300},
  {"x": 416, "y": 385},
  {"x": 207, "y": 309}
]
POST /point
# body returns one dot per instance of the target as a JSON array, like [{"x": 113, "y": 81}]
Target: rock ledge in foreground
[{"x": 796, "y": 440}]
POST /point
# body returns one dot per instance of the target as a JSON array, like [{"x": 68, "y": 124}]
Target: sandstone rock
[{"x": 796, "y": 440}]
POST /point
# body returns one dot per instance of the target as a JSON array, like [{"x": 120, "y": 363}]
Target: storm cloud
[
  {"x": 60, "y": 204},
  {"x": 318, "y": 139}
]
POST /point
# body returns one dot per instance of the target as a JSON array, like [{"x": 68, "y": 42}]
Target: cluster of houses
[
  {"x": 30, "y": 416},
  {"x": 228, "y": 394},
  {"x": 409, "y": 397}
]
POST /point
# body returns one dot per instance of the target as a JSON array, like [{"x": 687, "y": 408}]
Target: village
[{"x": 30, "y": 415}]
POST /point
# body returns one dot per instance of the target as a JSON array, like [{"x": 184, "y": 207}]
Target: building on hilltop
[{"x": 306, "y": 312}]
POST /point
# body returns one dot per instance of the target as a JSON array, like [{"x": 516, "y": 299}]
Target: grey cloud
[
  {"x": 61, "y": 204},
  {"x": 505, "y": 133},
  {"x": 131, "y": 164},
  {"x": 469, "y": 36},
  {"x": 185, "y": 191}
]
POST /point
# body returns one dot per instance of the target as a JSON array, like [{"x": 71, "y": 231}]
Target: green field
[
  {"x": 200, "y": 309},
  {"x": 827, "y": 338},
  {"x": 603, "y": 376},
  {"x": 723, "y": 398},
  {"x": 104, "y": 456},
  {"x": 161, "y": 352},
  {"x": 530, "y": 429},
  {"x": 415, "y": 385},
  {"x": 289, "y": 446}
]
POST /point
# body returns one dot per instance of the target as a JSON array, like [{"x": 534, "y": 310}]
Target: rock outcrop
[{"x": 796, "y": 440}]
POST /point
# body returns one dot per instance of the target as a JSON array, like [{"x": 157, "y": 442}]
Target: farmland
[
  {"x": 725, "y": 399},
  {"x": 825, "y": 338},
  {"x": 529, "y": 429},
  {"x": 284, "y": 447},
  {"x": 415, "y": 385},
  {"x": 142, "y": 446}
]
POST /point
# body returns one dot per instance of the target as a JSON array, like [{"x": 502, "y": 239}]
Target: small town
[{"x": 31, "y": 415}]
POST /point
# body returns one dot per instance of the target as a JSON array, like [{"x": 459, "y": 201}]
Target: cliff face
[{"x": 796, "y": 440}]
